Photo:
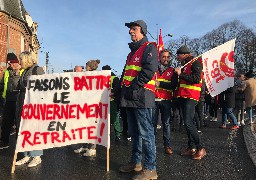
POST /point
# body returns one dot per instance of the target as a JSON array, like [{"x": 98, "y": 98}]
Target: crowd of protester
[{"x": 149, "y": 90}]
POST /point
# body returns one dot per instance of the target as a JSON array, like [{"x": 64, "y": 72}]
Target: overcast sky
[{"x": 80, "y": 30}]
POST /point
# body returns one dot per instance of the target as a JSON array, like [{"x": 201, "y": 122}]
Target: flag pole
[{"x": 190, "y": 61}]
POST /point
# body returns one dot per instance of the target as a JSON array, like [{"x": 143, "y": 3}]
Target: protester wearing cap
[
  {"x": 137, "y": 96},
  {"x": 8, "y": 87},
  {"x": 190, "y": 77},
  {"x": 249, "y": 88},
  {"x": 91, "y": 65}
]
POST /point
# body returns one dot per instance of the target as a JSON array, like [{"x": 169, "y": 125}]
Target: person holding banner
[
  {"x": 91, "y": 65},
  {"x": 166, "y": 82},
  {"x": 29, "y": 64},
  {"x": 190, "y": 76},
  {"x": 8, "y": 86},
  {"x": 137, "y": 96}
]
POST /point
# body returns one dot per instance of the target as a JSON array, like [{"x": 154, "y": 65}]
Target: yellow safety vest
[{"x": 6, "y": 79}]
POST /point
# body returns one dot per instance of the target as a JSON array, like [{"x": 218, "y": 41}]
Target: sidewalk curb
[{"x": 249, "y": 132}]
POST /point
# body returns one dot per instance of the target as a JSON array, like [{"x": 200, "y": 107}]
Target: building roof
[{"x": 14, "y": 8}]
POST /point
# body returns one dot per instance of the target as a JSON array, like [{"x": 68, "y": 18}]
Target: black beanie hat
[
  {"x": 140, "y": 23},
  {"x": 106, "y": 67},
  {"x": 249, "y": 74},
  {"x": 183, "y": 50},
  {"x": 12, "y": 58}
]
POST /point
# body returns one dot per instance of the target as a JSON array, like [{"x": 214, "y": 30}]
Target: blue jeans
[
  {"x": 165, "y": 109},
  {"x": 33, "y": 153},
  {"x": 188, "y": 111},
  {"x": 140, "y": 127},
  {"x": 228, "y": 112},
  {"x": 249, "y": 112}
]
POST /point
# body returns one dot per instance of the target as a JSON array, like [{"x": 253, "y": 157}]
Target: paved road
[{"x": 227, "y": 158}]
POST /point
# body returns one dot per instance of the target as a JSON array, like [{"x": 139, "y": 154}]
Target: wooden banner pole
[
  {"x": 107, "y": 159},
  {"x": 14, "y": 162}
]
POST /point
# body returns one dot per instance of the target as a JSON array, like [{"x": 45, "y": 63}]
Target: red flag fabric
[{"x": 160, "y": 45}]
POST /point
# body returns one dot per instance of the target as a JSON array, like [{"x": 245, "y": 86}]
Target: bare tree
[{"x": 245, "y": 51}]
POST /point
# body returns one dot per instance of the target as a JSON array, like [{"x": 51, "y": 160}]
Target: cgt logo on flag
[
  {"x": 221, "y": 68},
  {"x": 218, "y": 65}
]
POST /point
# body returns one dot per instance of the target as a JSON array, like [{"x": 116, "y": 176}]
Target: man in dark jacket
[
  {"x": 8, "y": 86},
  {"x": 189, "y": 93},
  {"x": 137, "y": 96}
]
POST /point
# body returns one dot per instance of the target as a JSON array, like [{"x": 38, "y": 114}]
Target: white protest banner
[
  {"x": 64, "y": 109},
  {"x": 218, "y": 66}
]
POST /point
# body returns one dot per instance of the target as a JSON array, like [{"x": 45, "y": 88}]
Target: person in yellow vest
[
  {"x": 190, "y": 83},
  {"x": 8, "y": 86},
  {"x": 29, "y": 64},
  {"x": 114, "y": 119},
  {"x": 166, "y": 81},
  {"x": 137, "y": 96}
]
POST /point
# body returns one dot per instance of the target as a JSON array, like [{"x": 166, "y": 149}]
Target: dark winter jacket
[
  {"x": 239, "y": 94},
  {"x": 196, "y": 69},
  {"x": 139, "y": 97},
  {"x": 202, "y": 93},
  {"x": 33, "y": 70},
  {"x": 11, "y": 92},
  {"x": 227, "y": 98},
  {"x": 115, "y": 81}
]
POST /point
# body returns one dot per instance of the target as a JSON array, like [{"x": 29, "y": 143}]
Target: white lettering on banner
[
  {"x": 64, "y": 109},
  {"x": 218, "y": 66}
]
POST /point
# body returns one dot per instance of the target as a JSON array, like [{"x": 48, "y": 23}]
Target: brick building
[{"x": 18, "y": 32}]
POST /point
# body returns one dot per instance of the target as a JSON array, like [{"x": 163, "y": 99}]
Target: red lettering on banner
[
  {"x": 87, "y": 82},
  {"x": 80, "y": 130},
  {"x": 27, "y": 135},
  {"x": 65, "y": 136},
  {"x": 71, "y": 110},
  {"x": 38, "y": 138},
  {"x": 55, "y": 137},
  {"x": 90, "y": 132},
  {"x": 102, "y": 126},
  {"x": 45, "y": 134},
  {"x": 49, "y": 112},
  {"x": 56, "y": 111}
]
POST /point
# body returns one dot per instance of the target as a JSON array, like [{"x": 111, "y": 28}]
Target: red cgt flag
[{"x": 160, "y": 45}]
